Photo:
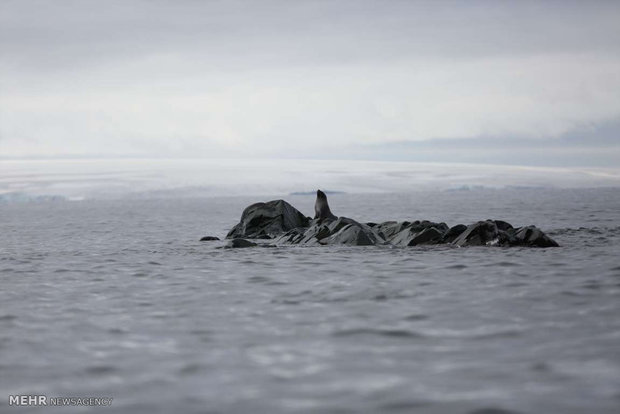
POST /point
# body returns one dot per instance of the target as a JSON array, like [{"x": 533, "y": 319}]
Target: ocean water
[{"x": 116, "y": 297}]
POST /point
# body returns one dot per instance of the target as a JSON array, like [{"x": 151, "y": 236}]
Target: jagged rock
[
  {"x": 293, "y": 236},
  {"x": 503, "y": 226},
  {"x": 268, "y": 220},
  {"x": 453, "y": 233},
  {"x": 429, "y": 235},
  {"x": 343, "y": 230},
  {"x": 351, "y": 233},
  {"x": 419, "y": 232},
  {"x": 389, "y": 229},
  {"x": 335, "y": 226},
  {"x": 483, "y": 233},
  {"x": 278, "y": 219},
  {"x": 309, "y": 235},
  {"x": 209, "y": 238},
  {"x": 533, "y": 236},
  {"x": 239, "y": 243}
]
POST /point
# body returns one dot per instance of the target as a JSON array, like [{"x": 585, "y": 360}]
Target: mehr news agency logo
[{"x": 43, "y": 401}]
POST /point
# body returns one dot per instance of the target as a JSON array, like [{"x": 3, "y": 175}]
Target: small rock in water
[{"x": 209, "y": 238}]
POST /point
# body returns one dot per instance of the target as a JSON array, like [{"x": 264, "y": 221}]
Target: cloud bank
[{"x": 484, "y": 81}]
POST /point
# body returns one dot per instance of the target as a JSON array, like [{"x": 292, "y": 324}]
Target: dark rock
[
  {"x": 388, "y": 229},
  {"x": 336, "y": 225},
  {"x": 278, "y": 219},
  {"x": 533, "y": 236},
  {"x": 430, "y": 235},
  {"x": 424, "y": 224},
  {"x": 263, "y": 237},
  {"x": 501, "y": 233},
  {"x": 317, "y": 230},
  {"x": 352, "y": 234},
  {"x": 315, "y": 233},
  {"x": 209, "y": 238},
  {"x": 240, "y": 243},
  {"x": 503, "y": 226},
  {"x": 293, "y": 236},
  {"x": 454, "y": 232},
  {"x": 343, "y": 230},
  {"x": 418, "y": 232},
  {"x": 268, "y": 220},
  {"x": 479, "y": 234}
]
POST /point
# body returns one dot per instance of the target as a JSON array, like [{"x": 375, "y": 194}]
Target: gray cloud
[
  {"x": 586, "y": 145},
  {"x": 310, "y": 78},
  {"x": 68, "y": 33}
]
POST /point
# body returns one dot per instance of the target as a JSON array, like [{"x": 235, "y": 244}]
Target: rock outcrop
[
  {"x": 500, "y": 233},
  {"x": 413, "y": 233},
  {"x": 280, "y": 221},
  {"x": 267, "y": 220},
  {"x": 533, "y": 236},
  {"x": 342, "y": 230}
]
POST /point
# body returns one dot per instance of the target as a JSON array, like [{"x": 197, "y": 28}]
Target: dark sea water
[{"x": 118, "y": 298}]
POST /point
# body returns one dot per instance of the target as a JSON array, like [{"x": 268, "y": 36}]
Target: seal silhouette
[{"x": 321, "y": 208}]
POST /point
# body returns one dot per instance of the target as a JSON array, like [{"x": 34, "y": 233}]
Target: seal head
[{"x": 321, "y": 208}]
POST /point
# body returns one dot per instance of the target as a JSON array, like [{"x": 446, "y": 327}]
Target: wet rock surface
[
  {"x": 239, "y": 244},
  {"x": 209, "y": 238},
  {"x": 282, "y": 222},
  {"x": 267, "y": 220},
  {"x": 343, "y": 230}
]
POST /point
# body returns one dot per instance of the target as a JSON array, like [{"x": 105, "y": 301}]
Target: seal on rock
[
  {"x": 280, "y": 221},
  {"x": 321, "y": 208}
]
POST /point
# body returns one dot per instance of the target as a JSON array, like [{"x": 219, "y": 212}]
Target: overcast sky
[{"x": 477, "y": 81}]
